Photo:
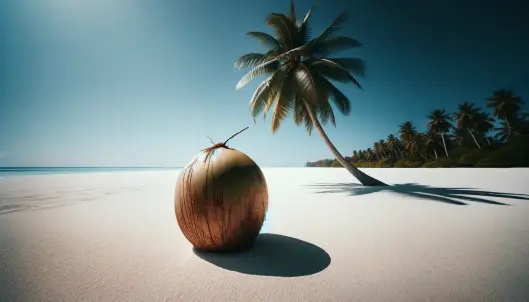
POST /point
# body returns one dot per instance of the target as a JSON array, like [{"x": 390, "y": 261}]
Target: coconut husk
[{"x": 221, "y": 201}]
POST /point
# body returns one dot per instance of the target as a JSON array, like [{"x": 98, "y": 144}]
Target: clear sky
[{"x": 143, "y": 83}]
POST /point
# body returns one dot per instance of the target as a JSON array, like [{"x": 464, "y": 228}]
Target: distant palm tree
[
  {"x": 503, "y": 132},
  {"x": 518, "y": 126},
  {"x": 506, "y": 105},
  {"x": 459, "y": 135},
  {"x": 369, "y": 154},
  {"x": 407, "y": 131},
  {"x": 393, "y": 145},
  {"x": 483, "y": 124},
  {"x": 439, "y": 124},
  {"x": 376, "y": 150},
  {"x": 355, "y": 157},
  {"x": 383, "y": 147},
  {"x": 465, "y": 118},
  {"x": 431, "y": 141},
  {"x": 301, "y": 70}
]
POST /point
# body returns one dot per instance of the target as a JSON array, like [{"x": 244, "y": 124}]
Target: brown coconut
[{"x": 221, "y": 199}]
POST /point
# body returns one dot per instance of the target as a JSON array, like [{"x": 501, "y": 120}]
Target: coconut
[{"x": 221, "y": 199}]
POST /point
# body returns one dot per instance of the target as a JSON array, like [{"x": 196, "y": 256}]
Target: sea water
[{"x": 7, "y": 172}]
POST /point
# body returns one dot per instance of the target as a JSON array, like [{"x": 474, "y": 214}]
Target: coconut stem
[
  {"x": 226, "y": 141},
  {"x": 209, "y": 151}
]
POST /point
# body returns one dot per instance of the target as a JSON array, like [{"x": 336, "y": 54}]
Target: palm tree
[
  {"x": 383, "y": 147},
  {"x": 431, "y": 141},
  {"x": 407, "y": 131},
  {"x": 505, "y": 105},
  {"x": 393, "y": 145},
  {"x": 369, "y": 154},
  {"x": 301, "y": 71},
  {"x": 465, "y": 118},
  {"x": 459, "y": 135},
  {"x": 376, "y": 150},
  {"x": 355, "y": 157},
  {"x": 483, "y": 123},
  {"x": 439, "y": 124}
]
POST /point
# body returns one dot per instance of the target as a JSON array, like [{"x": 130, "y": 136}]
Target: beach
[{"x": 433, "y": 235}]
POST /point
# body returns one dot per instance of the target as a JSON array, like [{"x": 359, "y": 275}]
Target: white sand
[{"x": 114, "y": 237}]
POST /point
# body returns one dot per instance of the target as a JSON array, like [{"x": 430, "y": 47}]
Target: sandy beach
[{"x": 435, "y": 235}]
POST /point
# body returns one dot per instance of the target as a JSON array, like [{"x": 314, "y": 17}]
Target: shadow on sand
[
  {"x": 455, "y": 196},
  {"x": 273, "y": 255}
]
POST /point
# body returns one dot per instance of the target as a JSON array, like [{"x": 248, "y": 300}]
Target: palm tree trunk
[
  {"x": 435, "y": 152},
  {"x": 402, "y": 156},
  {"x": 487, "y": 139},
  {"x": 364, "y": 179},
  {"x": 470, "y": 131},
  {"x": 444, "y": 144}
]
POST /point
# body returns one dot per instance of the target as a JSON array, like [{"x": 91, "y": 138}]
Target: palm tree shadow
[
  {"x": 455, "y": 196},
  {"x": 272, "y": 255}
]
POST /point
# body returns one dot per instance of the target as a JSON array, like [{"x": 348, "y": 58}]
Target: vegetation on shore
[{"x": 465, "y": 138}]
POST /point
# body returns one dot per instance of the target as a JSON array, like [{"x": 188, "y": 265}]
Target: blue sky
[{"x": 143, "y": 83}]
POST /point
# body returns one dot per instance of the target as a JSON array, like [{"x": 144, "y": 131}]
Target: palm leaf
[
  {"x": 266, "y": 40},
  {"x": 260, "y": 70},
  {"x": 301, "y": 115},
  {"x": 335, "y": 26},
  {"x": 327, "y": 47},
  {"x": 249, "y": 60},
  {"x": 354, "y": 65},
  {"x": 284, "y": 103},
  {"x": 333, "y": 71},
  {"x": 292, "y": 12},
  {"x": 326, "y": 113},
  {"x": 275, "y": 85},
  {"x": 305, "y": 84},
  {"x": 284, "y": 29},
  {"x": 334, "y": 95},
  {"x": 259, "y": 98}
]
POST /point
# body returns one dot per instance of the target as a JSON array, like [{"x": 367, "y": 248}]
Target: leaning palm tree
[
  {"x": 466, "y": 117},
  {"x": 301, "y": 71},
  {"x": 439, "y": 124},
  {"x": 506, "y": 105}
]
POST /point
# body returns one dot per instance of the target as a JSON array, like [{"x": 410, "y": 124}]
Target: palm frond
[
  {"x": 303, "y": 26},
  {"x": 284, "y": 29},
  {"x": 353, "y": 65},
  {"x": 284, "y": 103},
  {"x": 249, "y": 60},
  {"x": 266, "y": 40},
  {"x": 275, "y": 88},
  {"x": 335, "y": 96},
  {"x": 327, "y": 47},
  {"x": 260, "y": 70},
  {"x": 305, "y": 84},
  {"x": 259, "y": 98},
  {"x": 292, "y": 12},
  {"x": 326, "y": 114},
  {"x": 333, "y": 71},
  {"x": 335, "y": 26},
  {"x": 301, "y": 115}
]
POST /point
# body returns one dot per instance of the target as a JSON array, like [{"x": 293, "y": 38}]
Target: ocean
[{"x": 23, "y": 171}]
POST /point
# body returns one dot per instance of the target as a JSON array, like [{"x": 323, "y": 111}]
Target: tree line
[{"x": 467, "y": 137}]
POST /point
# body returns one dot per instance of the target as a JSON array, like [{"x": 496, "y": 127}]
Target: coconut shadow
[{"x": 272, "y": 255}]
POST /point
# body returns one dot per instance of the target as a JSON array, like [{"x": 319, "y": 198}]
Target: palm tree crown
[
  {"x": 504, "y": 102},
  {"x": 300, "y": 70},
  {"x": 465, "y": 115},
  {"x": 439, "y": 121}
]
